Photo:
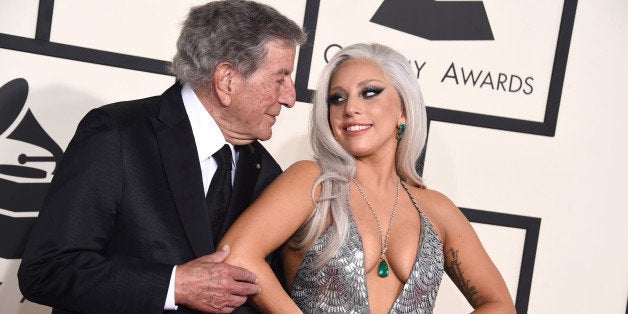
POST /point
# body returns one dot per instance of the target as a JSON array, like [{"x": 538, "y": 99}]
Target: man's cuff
[{"x": 170, "y": 306}]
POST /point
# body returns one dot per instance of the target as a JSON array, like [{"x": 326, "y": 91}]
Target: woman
[{"x": 360, "y": 231}]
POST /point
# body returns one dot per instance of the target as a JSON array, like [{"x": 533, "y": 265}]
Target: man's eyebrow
[{"x": 284, "y": 72}]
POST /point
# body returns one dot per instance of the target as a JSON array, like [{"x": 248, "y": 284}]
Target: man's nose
[{"x": 287, "y": 94}]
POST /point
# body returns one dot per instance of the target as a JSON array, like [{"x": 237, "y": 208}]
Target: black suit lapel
[
  {"x": 180, "y": 159},
  {"x": 247, "y": 172}
]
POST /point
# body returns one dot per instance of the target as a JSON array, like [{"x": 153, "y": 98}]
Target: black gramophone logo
[
  {"x": 25, "y": 171},
  {"x": 436, "y": 20}
]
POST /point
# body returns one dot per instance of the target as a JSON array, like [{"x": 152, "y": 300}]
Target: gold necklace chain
[{"x": 383, "y": 269}]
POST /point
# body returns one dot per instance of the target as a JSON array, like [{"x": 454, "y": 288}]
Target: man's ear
[{"x": 222, "y": 83}]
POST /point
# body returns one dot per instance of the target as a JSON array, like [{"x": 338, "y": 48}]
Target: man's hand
[{"x": 209, "y": 285}]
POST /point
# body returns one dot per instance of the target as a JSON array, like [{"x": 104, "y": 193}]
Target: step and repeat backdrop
[{"x": 524, "y": 128}]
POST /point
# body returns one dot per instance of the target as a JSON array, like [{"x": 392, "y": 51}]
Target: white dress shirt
[{"x": 209, "y": 140}]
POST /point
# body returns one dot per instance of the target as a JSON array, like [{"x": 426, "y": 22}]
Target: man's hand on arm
[{"x": 209, "y": 285}]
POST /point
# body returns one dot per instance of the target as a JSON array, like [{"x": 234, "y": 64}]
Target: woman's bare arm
[
  {"x": 466, "y": 262},
  {"x": 267, "y": 224}
]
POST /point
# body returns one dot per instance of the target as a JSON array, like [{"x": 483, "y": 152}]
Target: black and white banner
[{"x": 499, "y": 65}]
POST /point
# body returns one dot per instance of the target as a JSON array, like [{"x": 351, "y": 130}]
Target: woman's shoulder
[
  {"x": 304, "y": 168},
  {"x": 301, "y": 174},
  {"x": 293, "y": 188},
  {"x": 439, "y": 208},
  {"x": 431, "y": 199}
]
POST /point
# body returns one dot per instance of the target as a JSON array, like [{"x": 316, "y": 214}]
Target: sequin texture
[{"x": 340, "y": 285}]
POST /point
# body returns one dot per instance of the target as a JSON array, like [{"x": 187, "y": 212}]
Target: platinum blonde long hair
[{"x": 338, "y": 166}]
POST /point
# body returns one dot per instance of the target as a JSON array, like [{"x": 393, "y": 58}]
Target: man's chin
[{"x": 265, "y": 137}]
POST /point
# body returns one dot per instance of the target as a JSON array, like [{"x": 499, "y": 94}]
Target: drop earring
[{"x": 402, "y": 129}]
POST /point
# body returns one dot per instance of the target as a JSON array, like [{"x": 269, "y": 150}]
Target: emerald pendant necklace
[{"x": 383, "y": 270}]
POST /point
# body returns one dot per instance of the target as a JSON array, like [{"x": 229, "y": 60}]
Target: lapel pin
[{"x": 258, "y": 166}]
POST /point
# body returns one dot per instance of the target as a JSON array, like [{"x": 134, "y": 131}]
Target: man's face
[{"x": 257, "y": 101}]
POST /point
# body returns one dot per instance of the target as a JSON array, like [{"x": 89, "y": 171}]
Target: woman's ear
[
  {"x": 402, "y": 119},
  {"x": 222, "y": 83}
]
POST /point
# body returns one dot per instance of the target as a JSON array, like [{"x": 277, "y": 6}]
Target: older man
[{"x": 147, "y": 187}]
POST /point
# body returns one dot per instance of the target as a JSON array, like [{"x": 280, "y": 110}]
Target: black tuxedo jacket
[{"x": 127, "y": 204}]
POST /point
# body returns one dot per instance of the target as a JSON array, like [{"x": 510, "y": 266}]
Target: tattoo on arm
[{"x": 456, "y": 275}]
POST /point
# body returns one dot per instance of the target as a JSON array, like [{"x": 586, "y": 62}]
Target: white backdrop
[{"x": 572, "y": 181}]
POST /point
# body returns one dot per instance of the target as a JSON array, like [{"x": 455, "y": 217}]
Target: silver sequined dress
[{"x": 340, "y": 285}]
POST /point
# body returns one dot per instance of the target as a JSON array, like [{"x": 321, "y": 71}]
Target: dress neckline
[
  {"x": 417, "y": 257},
  {"x": 427, "y": 235}
]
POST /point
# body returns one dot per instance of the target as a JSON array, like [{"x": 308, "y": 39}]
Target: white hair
[{"x": 338, "y": 166}]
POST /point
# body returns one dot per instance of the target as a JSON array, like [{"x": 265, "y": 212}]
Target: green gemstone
[{"x": 383, "y": 270}]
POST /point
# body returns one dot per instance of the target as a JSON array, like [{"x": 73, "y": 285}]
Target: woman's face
[{"x": 364, "y": 109}]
